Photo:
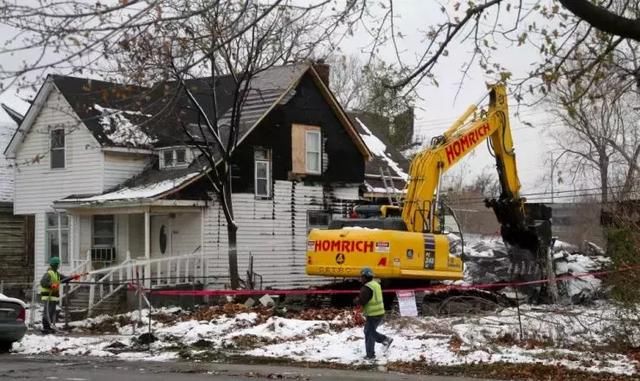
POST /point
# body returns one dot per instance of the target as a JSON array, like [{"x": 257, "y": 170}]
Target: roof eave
[
  {"x": 341, "y": 113},
  {"x": 29, "y": 117},
  {"x": 126, "y": 203}
]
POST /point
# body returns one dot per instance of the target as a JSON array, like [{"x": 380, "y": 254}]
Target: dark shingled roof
[{"x": 152, "y": 114}]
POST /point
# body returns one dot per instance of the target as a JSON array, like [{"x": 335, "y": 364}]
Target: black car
[{"x": 12, "y": 321}]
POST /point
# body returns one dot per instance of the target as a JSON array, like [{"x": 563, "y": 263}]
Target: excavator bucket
[{"x": 526, "y": 230}]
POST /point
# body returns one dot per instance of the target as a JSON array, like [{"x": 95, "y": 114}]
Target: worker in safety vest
[
  {"x": 370, "y": 299},
  {"x": 50, "y": 293}
]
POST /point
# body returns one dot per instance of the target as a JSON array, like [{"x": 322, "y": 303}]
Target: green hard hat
[{"x": 54, "y": 260}]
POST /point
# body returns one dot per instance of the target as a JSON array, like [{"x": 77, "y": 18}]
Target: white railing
[
  {"x": 172, "y": 271},
  {"x": 110, "y": 283},
  {"x": 152, "y": 272}
]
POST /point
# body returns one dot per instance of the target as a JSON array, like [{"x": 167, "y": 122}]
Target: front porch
[
  {"x": 154, "y": 236},
  {"x": 154, "y": 246}
]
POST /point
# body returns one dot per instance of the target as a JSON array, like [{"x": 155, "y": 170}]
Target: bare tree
[
  {"x": 233, "y": 44},
  {"x": 558, "y": 29},
  {"x": 599, "y": 134},
  {"x": 348, "y": 81},
  {"x": 169, "y": 45}
]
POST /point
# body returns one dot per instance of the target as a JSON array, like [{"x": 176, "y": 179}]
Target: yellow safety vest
[
  {"x": 48, "y": 293},
  {"x": 375, "y": 305}
]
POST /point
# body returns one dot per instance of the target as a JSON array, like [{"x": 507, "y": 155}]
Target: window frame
[
  {"x": 63, "y": 148},
  {"x": 166, "y": 153},
  {"x": 60, "y": 230},
  {"x": 93, "y": 232},
  {"x": 176, "y": 162},
  {"x": 267, "y": 164},
  {"x": 318, "y": 135}
]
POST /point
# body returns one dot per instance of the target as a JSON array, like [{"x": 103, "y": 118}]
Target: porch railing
[
  {"x": 114, "y": 280},
  {"x": 152, "y": 273}
]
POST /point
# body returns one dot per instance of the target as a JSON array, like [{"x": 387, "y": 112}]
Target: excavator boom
[{"x": 416, "y": 246}]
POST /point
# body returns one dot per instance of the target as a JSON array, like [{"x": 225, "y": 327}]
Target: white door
[{"x": 161, "y": 240}]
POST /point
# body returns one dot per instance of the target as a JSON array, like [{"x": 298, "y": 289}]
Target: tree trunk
[
  {"x": 604, "y": 175},
  {"x": 232, "y": 232}
]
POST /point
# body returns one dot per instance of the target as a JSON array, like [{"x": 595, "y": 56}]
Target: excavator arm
[
  {"x": 525, "y": 227},
  {"x": 420, "y": 205}
]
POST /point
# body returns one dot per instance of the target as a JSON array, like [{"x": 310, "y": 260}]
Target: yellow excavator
[{"x": 409, "y": 245}]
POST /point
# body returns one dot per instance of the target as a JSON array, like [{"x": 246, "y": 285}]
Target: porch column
[{"x": 147, "y": 248}]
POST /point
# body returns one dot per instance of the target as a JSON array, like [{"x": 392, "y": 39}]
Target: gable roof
[
  {"x": 126, "y": 116},
  {"x": 384, "y": 156}
]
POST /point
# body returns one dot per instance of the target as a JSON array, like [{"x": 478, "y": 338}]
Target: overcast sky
[{"x": 438, "y": 106}]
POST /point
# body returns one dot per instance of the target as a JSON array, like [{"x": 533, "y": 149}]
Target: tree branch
[{"x": 604, "y": 20}]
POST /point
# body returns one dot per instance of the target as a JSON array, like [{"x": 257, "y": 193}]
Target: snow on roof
[
  {"x": 379, "y": 149},
  {"x": 6, "y": 165},
  {"x": 146, "y": 191},
  {"x": 120, "y": 130}
]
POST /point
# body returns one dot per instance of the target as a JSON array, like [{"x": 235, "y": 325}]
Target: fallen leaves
[{"x": 506, "y": 371}]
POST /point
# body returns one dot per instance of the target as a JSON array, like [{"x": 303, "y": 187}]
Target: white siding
[
  {"x": 6, "y": 165},
  {"x": 119, "y": 167},
  {"x": 37, "y": 185},
  {"x": 273, "y": 231}
]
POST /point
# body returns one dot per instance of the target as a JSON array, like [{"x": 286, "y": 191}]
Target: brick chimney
[{"x": 323, "y": 69}]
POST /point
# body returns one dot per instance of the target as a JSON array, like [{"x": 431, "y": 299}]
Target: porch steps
[{"x": 79, "y": 301}]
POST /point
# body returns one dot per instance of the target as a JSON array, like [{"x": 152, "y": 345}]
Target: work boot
[{"x": 387, "y": 342}]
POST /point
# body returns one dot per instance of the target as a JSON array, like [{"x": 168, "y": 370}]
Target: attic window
[
  {"x": 168, "y": 158},
  {"x": 181, "y": 156},
  {"x": 174, "y": 157},
  {"x": 57, "y": 148}
]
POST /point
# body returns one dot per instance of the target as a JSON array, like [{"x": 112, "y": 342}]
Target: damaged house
[{"x": 107, "y": 184}]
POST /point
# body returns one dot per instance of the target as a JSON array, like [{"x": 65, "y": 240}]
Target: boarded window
[
  {"x": 306, "y": 149},
  {"x": 57, "y": 148},
  {"x": 57, "y": 236},
  {"x": 104, "y": 231}
]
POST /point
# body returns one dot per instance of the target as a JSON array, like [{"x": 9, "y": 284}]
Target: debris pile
[{"x": 489, "y": 261}]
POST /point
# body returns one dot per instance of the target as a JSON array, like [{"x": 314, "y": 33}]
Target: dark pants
[
  {"x": 49, "y": 314},
  {"x": 371, "y": 335}
]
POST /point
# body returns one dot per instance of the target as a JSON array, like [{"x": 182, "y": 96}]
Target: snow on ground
[{"x": 569, "y": 336}]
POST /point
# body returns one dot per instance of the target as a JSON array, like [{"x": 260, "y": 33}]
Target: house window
[
  {"x": 262, "y": 166},
  {"x": 174, "y": 157},
  {"x": 313, "y": 151},
  {"x": 57, "y": 148},
  {"x": 318, "y": 219},
  {"x": 168, "y": 158},
  {"x": 181, "y": 156},
  {"x": 57, "y": 236},
  {"x": 306, "y": 149},
  {"x": 104, "y": 231}
]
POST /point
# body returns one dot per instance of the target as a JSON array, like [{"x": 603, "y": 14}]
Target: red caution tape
[{"x": 437, "y": 288}]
